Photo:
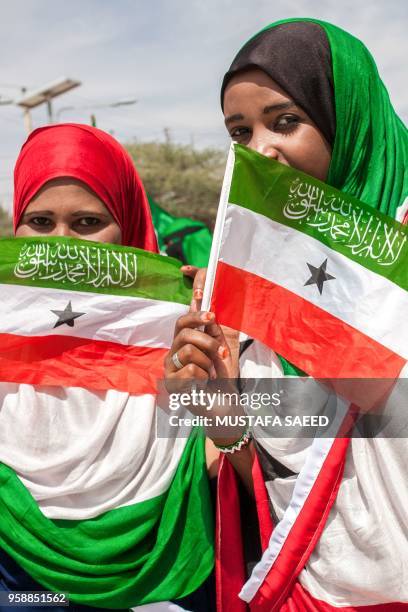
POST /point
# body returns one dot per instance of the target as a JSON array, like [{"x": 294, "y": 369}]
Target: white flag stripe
[
  {"x": 111, "y": 458},
  {"x": 316, "y": 456},
  {"x": 27, "y": 311},
  {"x": 367, "y": 301}
]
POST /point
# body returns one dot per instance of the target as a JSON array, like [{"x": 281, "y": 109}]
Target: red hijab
[{"x": 95, "y": 158}]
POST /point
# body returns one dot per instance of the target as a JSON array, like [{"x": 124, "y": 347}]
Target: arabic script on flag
[
  {"x": 361, "y": 230},
  {"x": 74, "y": 264}
]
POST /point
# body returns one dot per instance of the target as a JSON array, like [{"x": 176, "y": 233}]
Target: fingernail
[
  {"x": 223, "y": 352},
  {"x": 186, "y": 267},
  {"x": 207, "y": 316},
  {"x": 198, "y": 294}
]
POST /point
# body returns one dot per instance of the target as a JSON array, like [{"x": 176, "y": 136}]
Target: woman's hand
[
  {"x": 206, "y": 350},
  {"x": 231, "y": 335},
  {"x": 200, "y": 348},
  {"x": 200, "y": 353},
  {"x": 198, "y": 275}
]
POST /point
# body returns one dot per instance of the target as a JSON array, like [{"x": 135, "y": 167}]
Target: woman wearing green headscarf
[{"x": 309, "y": 95}]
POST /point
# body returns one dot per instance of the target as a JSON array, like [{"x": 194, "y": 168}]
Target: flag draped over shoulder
[
  {"x": 91, "y": 501},
  {"x": 303, "y": 267}
]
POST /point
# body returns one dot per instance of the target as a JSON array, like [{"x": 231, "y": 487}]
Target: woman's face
[
  {"x": 260, "y": 115},
  {"x": 67, "y": 207}
]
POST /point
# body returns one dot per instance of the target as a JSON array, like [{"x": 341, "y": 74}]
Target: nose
[
  {"x": 62, "y": 230},
  {"x": 262, "y": 142}
]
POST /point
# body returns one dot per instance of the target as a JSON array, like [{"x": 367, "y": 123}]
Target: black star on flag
[
  {"x": 319, "y": 276},
  {"x": 66, "y": 316}
]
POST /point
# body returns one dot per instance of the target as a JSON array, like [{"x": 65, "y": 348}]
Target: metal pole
[
  {"x": 49, "y": 111},
  {"x": 28, "y": 123},
  {"x": 27, "y": 119}
]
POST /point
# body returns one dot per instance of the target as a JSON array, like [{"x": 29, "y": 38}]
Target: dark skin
[{"x": 259, "y": 114}]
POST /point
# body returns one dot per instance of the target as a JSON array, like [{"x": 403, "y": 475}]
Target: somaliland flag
[
  {"x": 306, "y": 269},
  {"x": 77, "y": 313},
  {"x": 99, "y": 508},
  {"x": 321, "y": 278}
]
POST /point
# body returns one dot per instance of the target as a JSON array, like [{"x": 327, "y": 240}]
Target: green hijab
[{"x": 369, "y": 153}]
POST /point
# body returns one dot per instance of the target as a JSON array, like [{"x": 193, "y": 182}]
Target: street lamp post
[{"x": 45, "y": 95}]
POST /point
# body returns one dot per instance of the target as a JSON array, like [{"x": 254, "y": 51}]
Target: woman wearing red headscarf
[
  {"x": 67, "y": 169},
  {"x": 81, "y": 452}
]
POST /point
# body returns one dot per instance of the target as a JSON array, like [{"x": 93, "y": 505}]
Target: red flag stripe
[
  {"x": 229, "y": 564},
  {"x": 304, "y": 533},
  {"x": 229, "y": 561},
  {"x": 290, "y": 325},
  {"x": 80, "y": 362},
  {"x": 262, "y": 504}
]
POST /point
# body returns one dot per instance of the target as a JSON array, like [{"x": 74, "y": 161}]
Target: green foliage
[
  {"x": 6, "y": 223},
  {"x": 183, "y": 180}
]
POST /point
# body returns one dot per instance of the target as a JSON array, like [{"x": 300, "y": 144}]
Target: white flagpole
[{"x": 218, "y": 229}]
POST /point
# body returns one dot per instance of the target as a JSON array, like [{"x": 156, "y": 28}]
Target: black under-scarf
[{"x": 297, "y": 57}]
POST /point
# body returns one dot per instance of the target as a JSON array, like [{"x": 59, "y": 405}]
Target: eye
[
  {"x": 240, "y": 133},
  {"x": 287, "y": 123},
  {"x": 41, "y": 221},
  {"x": 88, "y": 221}
]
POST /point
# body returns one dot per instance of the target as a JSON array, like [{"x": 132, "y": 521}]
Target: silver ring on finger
[{"x": 177, "y": 361}]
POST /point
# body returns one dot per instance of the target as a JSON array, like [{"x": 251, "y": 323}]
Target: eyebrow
[
  {"x": 78, "y": 213},
  {"x": 268, "y": 109},
  {"x": 233, "y": 118},
  {"x": 88, "y": 213},
  {"x": 277, "y": 107},
  {"x": 38, "y": 213}
]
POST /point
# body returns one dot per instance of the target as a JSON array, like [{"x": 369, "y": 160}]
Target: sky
[{"x": 170, "y": 55}]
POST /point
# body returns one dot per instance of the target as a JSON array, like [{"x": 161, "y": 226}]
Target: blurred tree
[
  {"x": 6, "y": 223},
  {"x": 183, "y": 180}
]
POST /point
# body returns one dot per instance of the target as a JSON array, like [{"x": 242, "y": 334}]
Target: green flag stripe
[
  {"x": 307, "y": 205},
  {"x": 82, "y": 265},
  {"x": 156, "y": 550}
]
